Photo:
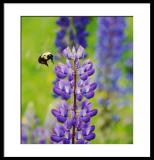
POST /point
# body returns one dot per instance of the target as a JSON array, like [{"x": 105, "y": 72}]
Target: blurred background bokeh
[{"x": 108, "y": 42}]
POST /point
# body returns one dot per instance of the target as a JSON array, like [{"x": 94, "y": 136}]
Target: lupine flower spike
[
  {"x": 111, "y": 46},
  {"x": 72, "y": 32},
  {"x": 73, "y": 83}
]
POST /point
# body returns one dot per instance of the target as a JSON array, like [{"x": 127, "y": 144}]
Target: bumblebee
[{"x": 43, "y": 59}]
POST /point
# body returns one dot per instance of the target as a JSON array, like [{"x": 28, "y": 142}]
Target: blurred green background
[{"x": 37, "y": 36}]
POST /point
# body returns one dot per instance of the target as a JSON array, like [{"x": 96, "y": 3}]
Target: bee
[{"x": 43, "y": 59}]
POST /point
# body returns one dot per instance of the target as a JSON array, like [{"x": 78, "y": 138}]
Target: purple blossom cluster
[
  {"x": 109, "y": 48},
  {"x": 72, "y": 32},
  {"x": 24, "y": 134},
  {"x": 73, "y": 83},
  {"x": 32, "y": 131},
  {"x": 111, "y": 44},
  {"x": 40, "y": 136}
]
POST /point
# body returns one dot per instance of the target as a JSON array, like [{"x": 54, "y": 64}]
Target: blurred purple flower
[
  {"x": 39, "y": 136},
  {"x": 109, "y": 50},
  {"x": 32, "y": 131},
  {"x": 115, "y": 118},
  {"x": 72, "y": 32},
  {"x": 24, "y": 134},
  {"x": 63, "y": 21}
]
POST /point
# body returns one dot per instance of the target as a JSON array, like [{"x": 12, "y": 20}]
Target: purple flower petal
[
  {"x": 79, "y": 53},
  {"x": 65, "y": 96},
  {"x": 42, "y": 141},
  {"x": 70, "y": 77},
  {"x": 80, "y": 141},
  {"x": 84, "y": 76},
  {"x": 92, "y": 112},
  {"x": 67, "y": 53},
  {"x": 68, "y": 63},
  {"x": 90, "y": 94},
  {"x": 55, "y": 112},
  {"x": 56, "y": 138},
  {"x": 61, "y": 131},
  {"x": 74, "y": 122},
  {"x": 90, "y": 136},
  {"x": 86, "y": 104},
  {"x": 61, "y": 70},
  {"x": 79, "y": 123},
  {"x": 93, "y": 86},
  {"x": 91, "y": 72},
  {"x": 68, "y": 124},
  {"x": 60, "y": 74},
  {"x": 61, "y": 119},
  {"x": 86, "y": 119},
  {"x": 88, "y": 67},
  {"x": 92, "y": 128},
  {"x": 79, "y": 97},
  {"x": 57, "y": 90},
  {"x": 87, "y": 129},
  {"x": 66, "y": 141}
]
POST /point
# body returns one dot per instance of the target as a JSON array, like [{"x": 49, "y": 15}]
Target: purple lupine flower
[
  {"x": 61, "y": 71},
  {"x": 39, "y": 136},
  {"x": 30, "y": 116},
  {"x": 63, "y": 22},
  {"x": 72, "y": 32},
  {"x": 73, "y": 83},
  {"x": 29, "y": 123},
  {"x": 110, "y": 47},
  {"x": 61, "y": 134},
  {"x": 24, "y": 134},
  {"x": 63, "y": 89},
  {"x": 62, "y": 113},
  {"x": 32, "y": 131},
  {"x": 80, "y": 25}
]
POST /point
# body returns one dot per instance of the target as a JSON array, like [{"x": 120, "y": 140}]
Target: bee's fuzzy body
[{"x": 45, "y": 57}]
